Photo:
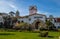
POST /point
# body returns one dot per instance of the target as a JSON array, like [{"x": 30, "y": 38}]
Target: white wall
[
  {"x": 57, "y": 24},
  {"x": 32, "y": 18},
  {"x": 1, "y": 19}
]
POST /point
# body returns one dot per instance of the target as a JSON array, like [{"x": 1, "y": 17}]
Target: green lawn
[{"x": 27, "y": 35}]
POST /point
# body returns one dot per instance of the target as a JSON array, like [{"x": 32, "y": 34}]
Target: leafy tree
[
  {"x": 50, "y": 25},
  {"x": 42, "y": 26},
  {"x": 11, "y": 13},
  {"x": 7, "y": 22}
]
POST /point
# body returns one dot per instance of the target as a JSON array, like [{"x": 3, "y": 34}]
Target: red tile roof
[{"x": 58, "y": 19}]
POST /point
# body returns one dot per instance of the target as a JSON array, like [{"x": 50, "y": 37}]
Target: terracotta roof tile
[{"x": 58, "y": 19}]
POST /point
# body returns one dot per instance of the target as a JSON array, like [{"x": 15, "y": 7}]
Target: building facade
[{"x": 34, "y": 18}]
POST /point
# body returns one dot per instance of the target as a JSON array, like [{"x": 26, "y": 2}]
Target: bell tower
[
  {"x": 32, "y": 10},
  {"x": 17, "y": 13}
]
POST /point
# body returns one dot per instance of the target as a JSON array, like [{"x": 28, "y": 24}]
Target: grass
[{"x": 27, "y": 35}]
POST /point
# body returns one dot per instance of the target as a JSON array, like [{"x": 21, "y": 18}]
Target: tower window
[
  {"x": 29, "y": 19},
  {"x": 38, "y": 17}
]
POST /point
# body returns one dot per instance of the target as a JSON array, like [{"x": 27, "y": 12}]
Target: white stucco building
[
  {"x": 31, "y": 18},
  {"x": 34, "y": 18}
]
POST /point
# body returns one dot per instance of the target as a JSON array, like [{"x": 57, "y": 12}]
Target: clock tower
[{"x": 32, "y": 10}]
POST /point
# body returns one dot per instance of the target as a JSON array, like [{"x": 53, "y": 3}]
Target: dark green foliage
[
  {"x": 50, "y": 25},
  {"x": 44, "y": 34}
]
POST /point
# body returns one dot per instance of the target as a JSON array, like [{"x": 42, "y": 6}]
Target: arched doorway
[{"x": 37, "y": 25}]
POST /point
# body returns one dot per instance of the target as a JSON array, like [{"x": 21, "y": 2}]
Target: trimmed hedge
[{"x": 43, "y": 33}]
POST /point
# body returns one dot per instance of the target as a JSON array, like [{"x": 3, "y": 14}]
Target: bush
[
  {"x": 7, "y": 30},
  {"x": 42, "y": 29},
  {"x": 36, "y": 31},
  {"x": 30, "y": 28},
  {"x": 21, "y": 26},
  {"x": 58, "y": 30},
  {"x": 10, "y": 30},
  {"x": 2, "y": 30},
  {"x": 44, "y": 33}
]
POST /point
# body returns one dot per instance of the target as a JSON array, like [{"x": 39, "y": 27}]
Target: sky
[{"x": 47, "y": 7}]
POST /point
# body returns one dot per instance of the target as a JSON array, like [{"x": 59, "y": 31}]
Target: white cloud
[
  {"x": 13, "y": 6},
  {"x": 45, "y": 13},
  {"x": 4, "y": 4}
]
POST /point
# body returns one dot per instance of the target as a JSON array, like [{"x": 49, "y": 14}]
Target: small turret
[
  {"x": 51, "y": 17},
  {"x": 32, "y": 10},
  {"x": 17, "y": 13}
]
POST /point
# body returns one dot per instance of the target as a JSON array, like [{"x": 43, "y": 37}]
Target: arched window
[
  {"x": 29, "y": 19},
  {"x": 22, "y": 21}
]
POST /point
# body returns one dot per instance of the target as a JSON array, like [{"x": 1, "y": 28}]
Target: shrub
[
  {"x": 44, "y": 33},
  {"x": 7, "y": 30},
  {"x": 30, "y": 28},
  {"x": 58, "y": 30},
  {"x": 21, "y": 26},
  {"x": 42, "y": 29},
  {"x": 36, "y": 31}
]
